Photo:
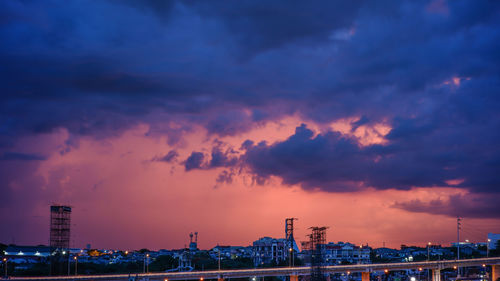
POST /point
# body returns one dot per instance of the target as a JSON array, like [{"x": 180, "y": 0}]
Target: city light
[
  {"x": 386, "y": 270},
  {"x": 413, "y": 278}
]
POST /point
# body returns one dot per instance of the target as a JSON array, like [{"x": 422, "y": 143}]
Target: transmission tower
[{"x": 289, "y": 239}]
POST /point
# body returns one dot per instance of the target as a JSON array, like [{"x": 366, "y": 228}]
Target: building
[
  {"x": 60, "y": 226},
  {"x": 387, "y": 253},
  {"x": 267, "y": 250},
  {"x": 27, "y": 251},
  {"x": 341, "y": 253},
  {"x": 231, "y": 252},
  {"x": 493, "y": 240}
]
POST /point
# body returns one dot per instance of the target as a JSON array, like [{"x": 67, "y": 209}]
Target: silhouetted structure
[
  {"x": 317, "y": 241},
  {"x": 193, "y": 245},
  {"x": 60, "y": 230},
  {"x": 60, "y": 226},
  {"x": 290, "y": 241},
  {"x": 289, "y": 231}
]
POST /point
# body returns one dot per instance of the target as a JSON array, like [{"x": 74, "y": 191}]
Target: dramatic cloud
[
  {"x": 394, "y": 95},
  {"x": 470, "y": 206}
]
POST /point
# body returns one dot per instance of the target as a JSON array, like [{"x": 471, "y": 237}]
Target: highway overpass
[{"x": 293, "y": 272}]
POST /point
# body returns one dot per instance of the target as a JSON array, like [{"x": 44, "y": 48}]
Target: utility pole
[
  {"x": 458, "y": 237},
  {"x": 219, "y": 257}
]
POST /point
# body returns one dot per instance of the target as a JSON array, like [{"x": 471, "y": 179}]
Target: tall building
[
  {"x": 60, "y": 225},
  {"x": 267, "y": 250}
]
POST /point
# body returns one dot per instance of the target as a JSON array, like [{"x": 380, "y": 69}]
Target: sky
[{"x": 154, "y": 119}]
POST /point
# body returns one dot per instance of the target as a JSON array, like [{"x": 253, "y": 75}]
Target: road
[{"x": 280, "y": 271}]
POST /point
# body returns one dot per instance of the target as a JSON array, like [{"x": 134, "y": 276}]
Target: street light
[
  {"x": 76, "y": 265},
  {"x": 488, "y": 247},
  {"x": 428, "y": 259},
  {"x": 147, "y": 263},
  {"x": 290, "y": 257},
  {"x": 5, "y": 264},
  {"x": 428, "y": 251},
  {"x": 359, "y": 253}
]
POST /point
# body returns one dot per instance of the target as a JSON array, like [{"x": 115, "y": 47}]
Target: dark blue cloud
[
  {"x": 334, "y": 162},
  {"x": 322, "y": 60},
  {"x": 194, "y": 161},
  {"x": 98, "y": 68},
  {"x": 456, "y": 206},
  {"x": 431, "y": 157},
  {"x": 171, "y": 156},
  {"x": 9, "y": 156},
  {"x": 258, "y": 26},
  {"x": 219, "y": 157}
]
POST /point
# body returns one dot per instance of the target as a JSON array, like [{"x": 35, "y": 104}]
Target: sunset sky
[{"x": 154, "y": 119}]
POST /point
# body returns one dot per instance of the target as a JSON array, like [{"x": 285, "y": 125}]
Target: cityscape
[
  {"x": 250, "y": 140},
  {"x": 59, "y": 259}
]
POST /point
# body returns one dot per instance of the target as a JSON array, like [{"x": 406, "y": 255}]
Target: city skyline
[{"x": 154, "y": 119}]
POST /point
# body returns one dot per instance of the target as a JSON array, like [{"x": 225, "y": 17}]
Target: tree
[{"x": 164, "y": 262}]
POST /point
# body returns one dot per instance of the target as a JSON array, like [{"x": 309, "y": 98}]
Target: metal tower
[
  {"x": 317, "y": 241},
  {"x": 289, "y": 231},
  {"x": 60, "y": 226},
  {"x": 289, "y": 239}
]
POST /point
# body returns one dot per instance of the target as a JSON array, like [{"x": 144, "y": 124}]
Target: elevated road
[{"x": 435, "y": 266}]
